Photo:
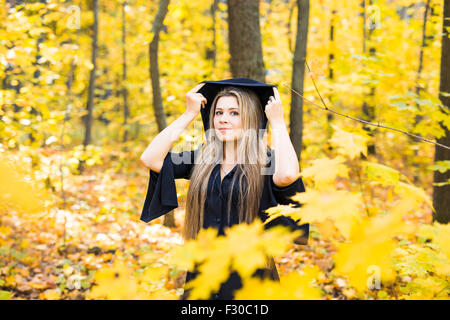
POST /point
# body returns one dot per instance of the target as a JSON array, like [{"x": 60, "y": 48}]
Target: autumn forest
[{"x": 85, "y": 86}]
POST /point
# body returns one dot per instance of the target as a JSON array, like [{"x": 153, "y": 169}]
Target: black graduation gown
[{"x": 161, "y": 198}]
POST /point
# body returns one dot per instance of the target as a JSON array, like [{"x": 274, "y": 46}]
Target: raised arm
[
  {"x": 159, "y": 147},
  {"x": 286, "y": 161}
]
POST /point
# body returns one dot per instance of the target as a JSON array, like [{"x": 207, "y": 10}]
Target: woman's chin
[
  {"x": 228, "y": 139},
  {"x": 227, "y": 136}
]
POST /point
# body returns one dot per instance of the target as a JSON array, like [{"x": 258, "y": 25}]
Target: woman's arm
[
  {"x": 159, "y": 147},
  {"x": 157, "y": 150},
  {"x": 286, "y": 161}
]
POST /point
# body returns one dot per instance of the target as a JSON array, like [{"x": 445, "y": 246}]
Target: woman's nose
[{"x": 223, "y": 119}]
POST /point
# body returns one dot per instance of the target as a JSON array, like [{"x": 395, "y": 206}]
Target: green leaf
[
  {"x": 5, "y": 295},
  {"x": 403, "y": 106},
  {"x": 382, "y": 174},
  {"x": 425, "y": 102},
  {"x": 440, "y": 184},
  {"x": 442, "y": 166}
]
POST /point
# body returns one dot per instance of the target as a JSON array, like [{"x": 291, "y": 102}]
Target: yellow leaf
[
  {"x": 247, "y": 255},
  {"x": 442, "y": 268},
  {"x": 414, "y": 194},
  {"x": 350, "y": 144},
  {"x": 385, "y": 175},
  {"x": 327, "y": 228},
  {"x": 323, "y": 171},
  {"x": 243, "y": 249},
  {"x": 50, "y": 295},
  {"x": 366, "y": 258},
  {"x": 4, "y": 230},
  {"x": 212, "y": 273},
  {"x": 19, "y": 193},
  {"x": 10, "y": 281},
  {"x": 193, "y": 250},
  {"x": 341, "y": 206},
  {"x": 443, "y": 237},
  {"x": 365, "y": 264},
  {"x": 115, "y": 283},
  {"x": 293, "y": 286},
  {"x": 153, "y": 274},
  {"x": 37, "y": 285}
]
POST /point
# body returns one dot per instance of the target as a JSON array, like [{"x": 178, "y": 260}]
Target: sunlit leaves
[
  {"x": 440, "y": 234},
  {"x": 100, "y": 218},
  {"x": 294, "y": 286},
  {"x": 415, "y": 194},
  {"x": 382, "y": 174},
  {"x": 369, "y": 248},
  {"x": 244, "y": 249},
  {"x": 20, "y": 192},
  {"x": 348, "y": 143},
  {"x": 5, "y": 295},
  {"x": 441, "y": 166},
  {"x": 115, "y": 282},
  {"x": 341, "y": 206},
  {"x": 323, "y": 171}
]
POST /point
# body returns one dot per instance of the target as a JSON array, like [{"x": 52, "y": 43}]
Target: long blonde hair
[{"x": 252, "y": 158}]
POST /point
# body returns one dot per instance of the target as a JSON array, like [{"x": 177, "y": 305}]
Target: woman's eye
[{"x": 233, "y": 113}]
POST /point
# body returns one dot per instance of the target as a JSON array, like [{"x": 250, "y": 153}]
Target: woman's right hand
[{"x": 195, "y": 100}]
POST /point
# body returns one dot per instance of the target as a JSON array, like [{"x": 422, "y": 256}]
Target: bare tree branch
[{"x": 357, "y": 119}]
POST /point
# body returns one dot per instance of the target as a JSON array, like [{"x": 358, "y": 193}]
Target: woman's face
[{"x": 227, "y": 119}]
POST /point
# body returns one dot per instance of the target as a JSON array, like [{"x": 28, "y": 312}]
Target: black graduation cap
[{"x": 212, "y": 88}]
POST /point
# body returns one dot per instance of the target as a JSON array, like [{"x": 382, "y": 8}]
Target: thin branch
[{"x": 357, "y": 119}]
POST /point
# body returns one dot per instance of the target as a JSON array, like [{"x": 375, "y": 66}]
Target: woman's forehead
[{"x": 227, "y": 102}]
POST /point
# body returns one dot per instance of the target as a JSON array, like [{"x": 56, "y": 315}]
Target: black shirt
[{"x": 161, "y": 198}]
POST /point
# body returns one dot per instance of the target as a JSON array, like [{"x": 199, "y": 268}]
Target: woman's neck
[{"x": 230, "y": 152}]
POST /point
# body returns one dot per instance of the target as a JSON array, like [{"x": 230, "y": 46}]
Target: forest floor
[{"x": 54, "y": 254}]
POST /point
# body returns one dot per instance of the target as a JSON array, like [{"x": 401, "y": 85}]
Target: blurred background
[{"x": 86, "y": 85}]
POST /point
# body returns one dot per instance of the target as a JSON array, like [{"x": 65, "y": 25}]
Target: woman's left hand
[{"x": 274, "y": 109}]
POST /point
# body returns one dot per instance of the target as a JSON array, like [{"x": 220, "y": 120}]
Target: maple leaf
[
  {"x": 367, "y": 256},
  {"x": 382, "y": 174},
  {"x": 114, "y": 282},
  {"x": 20, "y": 193},
  {"x": 244, "y": 248},
  {"x": 441, "y": 236},
  {"x": 323, "y": 171},
  {"x": 213, "y": 272},
  {"x": 50, "y": 295},
  {"x": 341, "y": 206},
  {"x": 349, "y": 144},
  {"x": 243, "y": 241},
  {"x": 414, "y": 194},
  {"x": 294, "y": 286},
  {"x": 191, "y": 251}
]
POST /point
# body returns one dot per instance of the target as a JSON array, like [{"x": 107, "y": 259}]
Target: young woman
[{"x": 233, "y": 176}]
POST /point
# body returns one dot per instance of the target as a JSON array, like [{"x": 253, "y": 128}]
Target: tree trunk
[
  {"x": 298, "y": 74},
  {"x": 441, "y": 194},
  {"x": 289, "y": 27},
  {"x": 126, "y": 111},
  {"x": 90, "y": 100},
  {"x": 330, "y": 116},
  {"x": 368, "y": 109},
  {"x": 244, "y": 38},
  {"x": 211, "y": 54},
  {"x": 418, "y": 90},
  {"x": 158, "y": 109},
  {"x": 160, "y": 116}
]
